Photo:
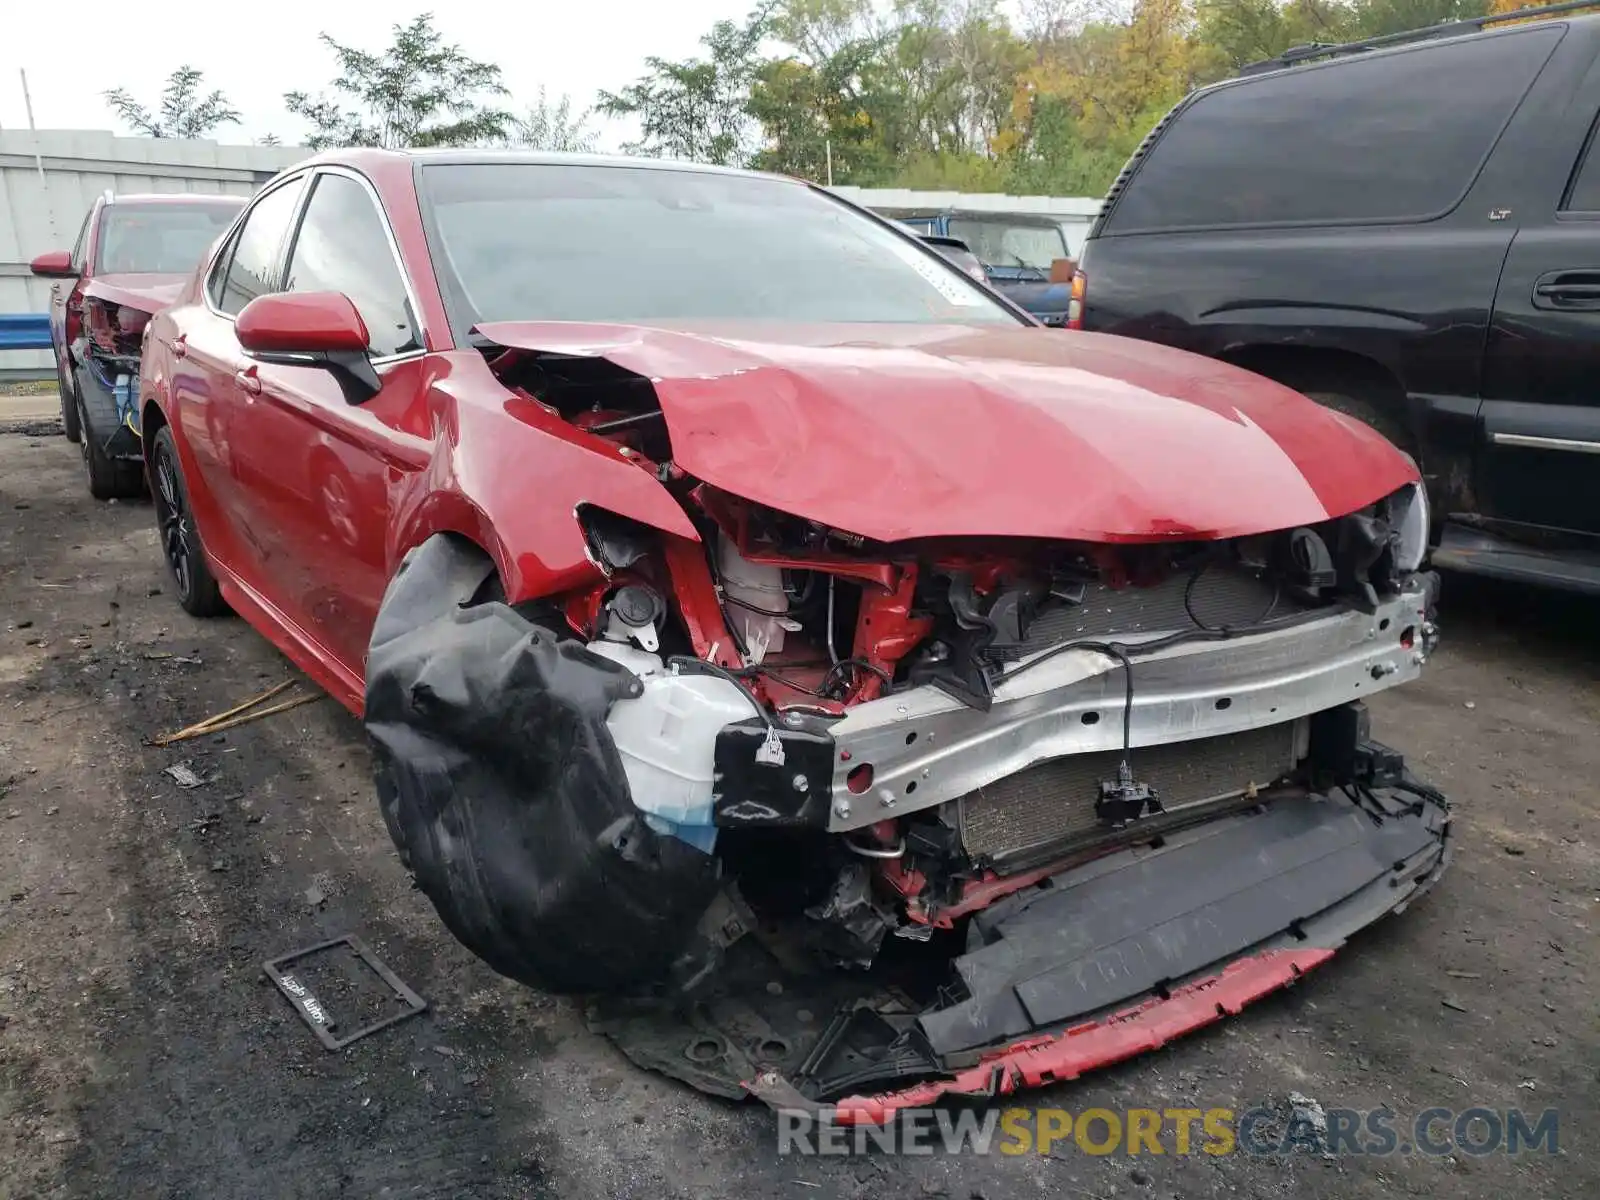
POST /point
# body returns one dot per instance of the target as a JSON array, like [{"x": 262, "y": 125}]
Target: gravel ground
[{"x": 142, "y": 1056}]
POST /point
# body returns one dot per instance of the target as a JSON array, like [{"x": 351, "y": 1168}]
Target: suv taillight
[{"x": 1080, "y": 285}]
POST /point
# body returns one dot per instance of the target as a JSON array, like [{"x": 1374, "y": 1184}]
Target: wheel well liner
[{"x": 504, "y": 792}]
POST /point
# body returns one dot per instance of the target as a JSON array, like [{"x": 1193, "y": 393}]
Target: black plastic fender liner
[{"x": 505, "y": 794}]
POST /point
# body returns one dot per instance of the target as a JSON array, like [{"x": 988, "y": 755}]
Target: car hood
[
  {"x": 897, "y": 432},
  {"x": 147, "y": 292}
]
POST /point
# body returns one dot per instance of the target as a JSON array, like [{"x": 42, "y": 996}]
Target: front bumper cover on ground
[{"x": 1103, "y": 961}]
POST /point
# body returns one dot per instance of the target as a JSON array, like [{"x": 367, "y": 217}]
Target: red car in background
[
  {"x": 132, "y": 257},
  {"x": 868, "y": 692}
]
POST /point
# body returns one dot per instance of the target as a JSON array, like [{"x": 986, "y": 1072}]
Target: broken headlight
[{"x": 1410, "y": 520}]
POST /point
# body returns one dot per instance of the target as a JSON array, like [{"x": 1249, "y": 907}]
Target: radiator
[{"x": 1053, "y": 803}]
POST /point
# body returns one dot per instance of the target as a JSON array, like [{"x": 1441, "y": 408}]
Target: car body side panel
[{"x": 510, "y": 473}]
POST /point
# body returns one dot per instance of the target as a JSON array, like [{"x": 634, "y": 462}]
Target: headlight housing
[{"x": 1411, "y": 521}]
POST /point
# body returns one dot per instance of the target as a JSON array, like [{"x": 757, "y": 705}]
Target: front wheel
[
  {"x": 66, "y": 383},
  {"x": 109, "y": 478},
  {"x": 180, "y": 539}
]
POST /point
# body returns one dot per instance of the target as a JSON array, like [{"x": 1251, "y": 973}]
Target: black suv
[{"x": 1407, "y": 230}]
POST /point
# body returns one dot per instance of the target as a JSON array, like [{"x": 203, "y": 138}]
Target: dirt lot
[{"x": 142, "y": 1056}]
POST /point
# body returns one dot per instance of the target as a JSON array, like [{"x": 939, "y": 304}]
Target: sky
[{"x": 258, "y": 52}]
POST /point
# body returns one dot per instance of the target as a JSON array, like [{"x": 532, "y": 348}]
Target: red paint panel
[
  {"x": 301, "y": 322},
  {"x": 911, "y": 432},
  {"x": 148, "y": 293}
]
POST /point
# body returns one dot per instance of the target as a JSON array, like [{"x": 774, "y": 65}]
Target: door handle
[
  {"x": 1570, "y": 290},
  {"x": 180, "y": 345},
  {"x": 248, "y": 380}
]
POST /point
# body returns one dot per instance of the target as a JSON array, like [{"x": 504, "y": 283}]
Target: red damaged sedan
[
  {"x": 864, "y": 692},
  {"x": 134, "y": 254}
]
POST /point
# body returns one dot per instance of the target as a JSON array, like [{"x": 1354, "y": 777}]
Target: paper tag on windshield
[{"x": 944, "y": 279}]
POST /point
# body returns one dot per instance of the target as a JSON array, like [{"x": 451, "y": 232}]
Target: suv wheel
[
  {"x": 109, "y": 478},
  {"x": 67, "y": 385}
]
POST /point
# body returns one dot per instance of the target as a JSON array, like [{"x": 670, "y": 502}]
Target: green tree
[
  {"x": 547, "y": 126},
  {"x": 183, "y": 112},
  {"x": 421, "y": 91},
  {"x": 696, "y": 109},
  {"x": 1375, "y": 18}
]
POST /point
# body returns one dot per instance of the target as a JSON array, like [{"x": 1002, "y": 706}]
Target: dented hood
[
  {"x": 146, "y": 292},
  {"x": 897, "y": 432}
]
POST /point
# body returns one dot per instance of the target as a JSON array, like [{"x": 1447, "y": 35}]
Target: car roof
[
  {"x": 1447, "y": 33},
  {"x": 367, "y": 157}
]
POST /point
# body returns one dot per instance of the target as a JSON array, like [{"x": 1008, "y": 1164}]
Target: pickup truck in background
[{"x": 1407, "y": 230}]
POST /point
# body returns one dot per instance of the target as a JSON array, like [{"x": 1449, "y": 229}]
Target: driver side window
[
  {"x": 254, "y": 259},
  {"x": 342, "y": 246}
]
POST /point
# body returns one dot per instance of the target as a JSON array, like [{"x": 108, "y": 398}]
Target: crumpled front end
[
  {"x": 108, "y": 348},
  {"x": 854, "y": 824}
]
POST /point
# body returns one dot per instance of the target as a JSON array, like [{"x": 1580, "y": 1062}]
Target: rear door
[{"x": 1539, "y": 460}]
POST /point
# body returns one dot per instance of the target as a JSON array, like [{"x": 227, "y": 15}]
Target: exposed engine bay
[{"x": 826, "y": 819}]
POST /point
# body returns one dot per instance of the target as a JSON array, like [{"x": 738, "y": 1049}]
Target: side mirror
[
  {"x": 310, "y": 329},
  {"x": 54, "y": 264}
]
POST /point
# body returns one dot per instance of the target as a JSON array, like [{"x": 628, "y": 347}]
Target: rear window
[
  {"x": 1001, "y": 243},
  {"x": 1394, "y": 137},
  {"x": 165, "y": 239}
]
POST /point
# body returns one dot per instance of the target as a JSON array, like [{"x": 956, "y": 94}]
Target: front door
[{"x": 323, "y": 461}]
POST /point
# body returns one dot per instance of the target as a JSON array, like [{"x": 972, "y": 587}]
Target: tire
[
  {"x": 67, "y": 385},
  {"x": 180, "y": 539},
  {"x": 1367, "y": 413},
  {"x": 109, "y": 478}
]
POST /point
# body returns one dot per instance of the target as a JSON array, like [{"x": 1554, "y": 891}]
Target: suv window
[
  {"x": 1584, "y": 195},
  {"x": 1391, "y": 137},
  {"x": 253, "y": 263},
  {"x": 342, "y": 247},
  {"x": 161, "y": 239}
]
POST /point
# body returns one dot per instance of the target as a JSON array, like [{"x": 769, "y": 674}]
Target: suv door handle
[
  {"x": 248, "y": 380},
  {"x": 1569, "y": 290}
]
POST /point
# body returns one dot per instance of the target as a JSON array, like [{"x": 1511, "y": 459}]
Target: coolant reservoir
[
  {"x": 757, "y": 602},
  {"x": 667, "y": 739}
]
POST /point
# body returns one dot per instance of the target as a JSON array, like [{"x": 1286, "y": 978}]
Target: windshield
[
  {"x": 531, "y": 241},
  {"x": 161, "y": 239},
  {"x": 1001, "y": 243}
]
